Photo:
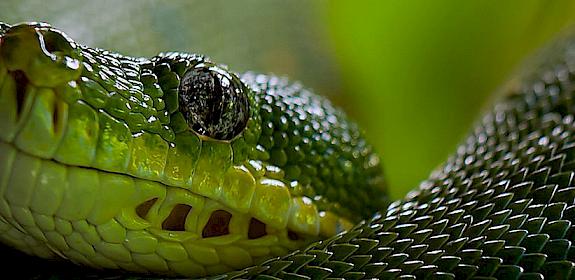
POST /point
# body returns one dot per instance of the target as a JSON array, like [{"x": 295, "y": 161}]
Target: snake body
[{"x": 175, "y": 166}]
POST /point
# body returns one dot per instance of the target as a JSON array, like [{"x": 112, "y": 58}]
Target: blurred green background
[{"x": 414, "y": 74}]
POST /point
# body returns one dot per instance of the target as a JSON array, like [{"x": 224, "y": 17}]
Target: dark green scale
[
  {"x": 502, "y": 207},
  {"x": 115, "y": 84},
  {"x": 318, "y": 147}
]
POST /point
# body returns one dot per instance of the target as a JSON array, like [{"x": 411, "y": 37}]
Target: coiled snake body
[{"x": 176, "y": 166}]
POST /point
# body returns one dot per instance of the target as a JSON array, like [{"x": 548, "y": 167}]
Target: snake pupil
[{"x": 214, "y": 102}]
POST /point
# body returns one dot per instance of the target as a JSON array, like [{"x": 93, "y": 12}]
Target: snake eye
[{"x": 214, "y": 102}]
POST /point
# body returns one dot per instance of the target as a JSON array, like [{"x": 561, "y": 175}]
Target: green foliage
[{"x": 419, "y": 72}]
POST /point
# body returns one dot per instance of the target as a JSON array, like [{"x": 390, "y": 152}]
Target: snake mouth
[
  {"x": 113, "y": 221},
  {"x": 78, "y": 183}
]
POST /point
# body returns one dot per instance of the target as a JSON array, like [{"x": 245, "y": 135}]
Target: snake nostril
[
  {"x": 50, "y": 46},
  {"x": 218, "y": 224},
  {"x": 257, "y": 229},
  {"x": 143, "y": 208},
  {"x": 55, "y": 42},
  {"x": 22, "y": 83},
  {"x": 176, "y": 221}
]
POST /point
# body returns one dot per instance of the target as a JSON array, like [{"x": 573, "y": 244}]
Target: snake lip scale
[{"x": 176, "y": 166}]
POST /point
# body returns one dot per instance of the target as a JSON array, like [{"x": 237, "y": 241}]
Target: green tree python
[{"x": 174, "y": 166}]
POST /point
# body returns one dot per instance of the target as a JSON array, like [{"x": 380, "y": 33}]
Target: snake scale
[{"x": 175, "y": 166}]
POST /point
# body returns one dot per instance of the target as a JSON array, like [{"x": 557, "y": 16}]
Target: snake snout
[
  {"x": 47, "y": 57},
  {"x": 39, "y": 69}
]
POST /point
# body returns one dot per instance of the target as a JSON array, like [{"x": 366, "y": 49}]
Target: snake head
[{"x": 174, "y": 164}]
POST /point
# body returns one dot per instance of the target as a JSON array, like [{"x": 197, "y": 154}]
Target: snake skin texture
[{"x": 501, "y": 207}]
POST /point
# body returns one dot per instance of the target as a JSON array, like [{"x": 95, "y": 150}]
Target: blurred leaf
[{"x": 419, "y": 72}]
